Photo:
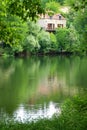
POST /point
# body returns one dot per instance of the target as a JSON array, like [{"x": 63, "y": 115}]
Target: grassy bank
[
  {"x": 42, "y": 124},
  {"x": 73, "y": 117}
]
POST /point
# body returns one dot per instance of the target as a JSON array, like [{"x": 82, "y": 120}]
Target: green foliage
[
  {"x": 77, "y": 4},
  {"x": 47, "y": 1},
  {"x": 31, "y": 44},
  {"x": 60, "y": 1},
  {"x": 52, "y": 6},
  {"x": 37, "y": 39},
  {"x": 53, "y": 45},
  {"x": 62, "y": 38},
  {"x": 13, "y": 32},
  {"x": 68, "y": 40},
  {"x": 17, "y": 35},
  {"x": 33, "y": 28},
  {"x": 13, "y": 29},
  {"x": 79, "y": 9},
  {"x": 74, "y": 113},
  {"x": 25, "y": 8},
  {"x": 73, "y": 41},
  {"x": 44, "y": 41},
  {"x": 81, "y": 21}
]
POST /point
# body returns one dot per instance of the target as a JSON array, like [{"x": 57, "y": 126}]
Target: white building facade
[{"x": 51, "y": 23}]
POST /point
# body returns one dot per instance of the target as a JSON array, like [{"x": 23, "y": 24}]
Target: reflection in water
[
  {"x": 47, "y": 111},
  {"x": 39, "y": 80}
]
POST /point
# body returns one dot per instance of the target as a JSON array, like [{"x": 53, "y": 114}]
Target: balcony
[{"x": 50, "y": 27}]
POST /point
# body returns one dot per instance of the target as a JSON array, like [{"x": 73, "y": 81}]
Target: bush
[
  {"x": 74, "y": 113},
  {"x": 67, "y": 40},
  {"x": 31, "y": 44},
  {"x": 13, "y": 32},
  {"x": 44, "y": 41},
  {"x": 53, "y": 46}
]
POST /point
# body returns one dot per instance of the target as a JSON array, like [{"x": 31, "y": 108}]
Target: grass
[
  {"x": 72, "y": 117},
  {"x": 42, "y": 124}
]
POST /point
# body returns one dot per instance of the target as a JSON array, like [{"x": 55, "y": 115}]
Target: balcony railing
[{"x": 50, "y": 29}]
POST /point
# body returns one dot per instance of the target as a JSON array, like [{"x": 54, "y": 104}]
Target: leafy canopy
[{"x": 25, "y": 8}]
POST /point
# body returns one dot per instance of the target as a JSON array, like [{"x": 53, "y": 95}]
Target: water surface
[{"x": 35, "y": 87}]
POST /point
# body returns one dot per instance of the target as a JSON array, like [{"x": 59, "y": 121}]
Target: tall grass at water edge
[{"x": 73, "y": 117}]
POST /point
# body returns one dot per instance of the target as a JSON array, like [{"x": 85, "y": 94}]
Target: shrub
[
  {"x": 13, "y": 32},
  {"x": 44, "y": 41}
]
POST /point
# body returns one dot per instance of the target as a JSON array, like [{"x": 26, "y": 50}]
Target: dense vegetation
[{"x": 19, "y": 34}]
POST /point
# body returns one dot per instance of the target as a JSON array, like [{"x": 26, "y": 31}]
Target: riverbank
[
  {"x": 42, "y": 124},
  {"x": 51, "y": 53},
  {"x": 73, "y": 117}
]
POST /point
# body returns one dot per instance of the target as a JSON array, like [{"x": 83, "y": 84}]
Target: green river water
[{"x": 35, "y": 87}]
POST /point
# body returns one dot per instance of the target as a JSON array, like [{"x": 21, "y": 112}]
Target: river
[{"x": 36, "y": 87}]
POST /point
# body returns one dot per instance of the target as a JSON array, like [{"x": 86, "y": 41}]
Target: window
[
  {"x": 60, "y": 17},
  {"x": 50, "y": 26},
  {"x": 60, "y": 25}
]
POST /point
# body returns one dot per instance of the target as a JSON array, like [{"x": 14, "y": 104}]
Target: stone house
[{"x": 51, "y": 23}]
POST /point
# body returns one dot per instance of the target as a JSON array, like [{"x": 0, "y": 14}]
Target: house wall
[{"x": 44, "y": 22}]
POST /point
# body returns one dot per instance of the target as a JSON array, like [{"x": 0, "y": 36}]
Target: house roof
[{"x": 55, "y": 16}]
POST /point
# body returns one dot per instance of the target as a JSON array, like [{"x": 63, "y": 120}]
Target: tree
[
  {"x": 31, "y": 41},
  {"x": 13, "y": 21},
  {"x": 67, "y": 40},
  {"x": 77, "y": 5},
  {"x": 79, "y": 9},
  {"x": 25, "y": 8},
  {"x": 62, "y": 38},
  {"x": 47, "y": 1},
  {"x": 53, "y": 46},
  {"x": 44, "y": 41},
  {"x": 52, "y": 7},
  {"x": 13, "y": 32}
]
